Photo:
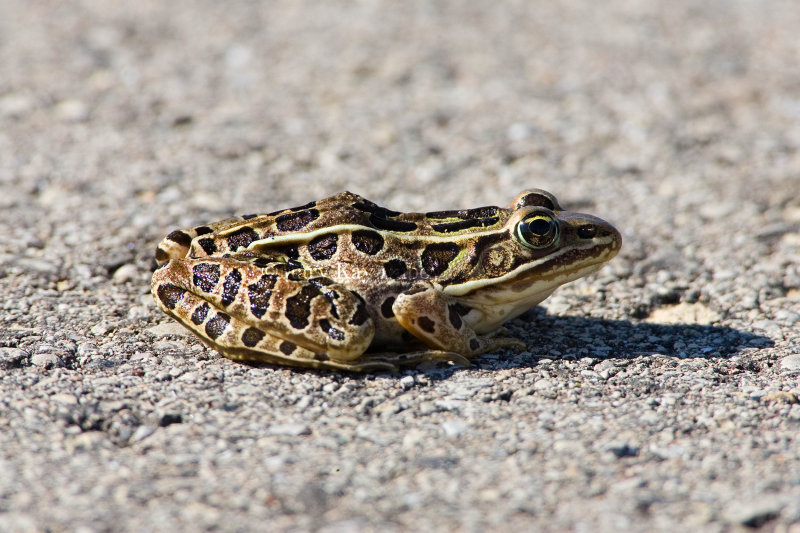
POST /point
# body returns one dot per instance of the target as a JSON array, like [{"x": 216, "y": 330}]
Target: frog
[{"x": 345, "y": 284}]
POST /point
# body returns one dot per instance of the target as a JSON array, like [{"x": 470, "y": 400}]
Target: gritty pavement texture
[{"x": 660, "y": 394}]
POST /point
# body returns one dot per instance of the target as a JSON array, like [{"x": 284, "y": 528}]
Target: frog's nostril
[{"x": 587, "y": 231}]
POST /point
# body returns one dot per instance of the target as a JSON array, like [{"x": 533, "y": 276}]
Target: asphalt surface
[{"x": 661, "y": 394}]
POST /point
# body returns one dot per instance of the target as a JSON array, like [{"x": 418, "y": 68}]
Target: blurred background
[{"x": 201, "y": 109}]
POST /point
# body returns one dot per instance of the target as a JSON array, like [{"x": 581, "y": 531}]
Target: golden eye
[{"x": 538, "y": 230}]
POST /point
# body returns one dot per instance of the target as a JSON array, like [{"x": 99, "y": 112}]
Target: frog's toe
[
  {"x": 492, "y": 344},
  {"x": 407, "y": 359}
]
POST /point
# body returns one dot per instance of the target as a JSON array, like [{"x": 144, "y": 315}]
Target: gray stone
[
  {"x": 454, "y": 428},
  {"x": 289, "y": 430},
  {"x": 790, "y": 362},
  {"x": 407, "y": 382},
  {"x": 101, "y": 329},
  {"x": 47, "y": 359},
  {"x": 125, "y": 273},
  {"x": 755, "y": 513},
  {"x": 12, "y": 358}
]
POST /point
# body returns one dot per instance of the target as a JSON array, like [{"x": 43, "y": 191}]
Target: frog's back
[{"x": 343, "y": 212}]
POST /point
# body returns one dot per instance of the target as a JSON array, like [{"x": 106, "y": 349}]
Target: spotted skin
[{"x": 345, "y": 284}]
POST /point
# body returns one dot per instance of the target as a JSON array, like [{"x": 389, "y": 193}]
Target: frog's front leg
[
  {"x": 267, "y": 311},
  {"x": 434, "y": 318}
]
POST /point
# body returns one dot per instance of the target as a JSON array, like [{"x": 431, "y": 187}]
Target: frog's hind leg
[
  {"x": 240, "y": 341},
  {"x": 267, "y": 312}
]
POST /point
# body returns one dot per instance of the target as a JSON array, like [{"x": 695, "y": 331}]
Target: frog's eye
[{"x": 538, "y": 230}]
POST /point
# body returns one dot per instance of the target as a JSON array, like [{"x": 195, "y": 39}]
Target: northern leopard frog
[{"x": 320, "y": 284}]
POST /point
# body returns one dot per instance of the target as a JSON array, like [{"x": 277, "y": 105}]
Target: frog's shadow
[{"x": 574, "y": 337}]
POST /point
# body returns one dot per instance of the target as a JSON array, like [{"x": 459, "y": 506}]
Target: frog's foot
[
  {"x": 405, "y": 359},
  {"x": 433, "y": 319},
  {"x": 492, "y": 343}
]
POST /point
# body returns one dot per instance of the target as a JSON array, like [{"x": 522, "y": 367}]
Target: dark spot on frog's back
[
  {"x": 208, "y": 245},
  {"x": 200, "y": 313},
  {"x": 333, "y": 333},
  {"x": 262, "y": 262},
  {"x": 205, "y": 276},
  {"x": 231, "y": 286},
  {"x": 360, "y": 315},
  {"x": 216, "y": 326},
  {"x": 290, "y": 252},
  {"x": 161, "y": 257},
  {"x": 298, "y": 307},
  {"x": 426, "y": 324},
  {"x": 323, "y": 247},
  {"x": 260, "y": 293},
  {"x": 170, "y": 295},
  {"x": 287, "y": 347},
  {"x": 437, "y": 257},
  {"x": 374, "y": 209},
  {"x": 180, "y": 237},
  {"x": 394, "y": 268},
  {"x": 465, "y": 214},
  {"x": 390, "y": 224},
  {"x": 451, "y": 227},
  {"x": 367, "y": 241},
  {"x": 386, "y": 307},
  {"x": 241, "y": 238},
  {"x": 487, "y": 241},
  {"x": 297, "y": 220},
  {"x": 303, "y": 207},
  {"x": 252, "y": 336}
]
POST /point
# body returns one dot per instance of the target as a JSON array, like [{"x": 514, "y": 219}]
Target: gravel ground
[{"x": 662, "y": 394}]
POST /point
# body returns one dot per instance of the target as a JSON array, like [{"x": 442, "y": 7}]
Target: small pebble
[
  {"x": 72, "y": 110},
  {"x": 454, "y": 428},
  {"x": 46, "y": 360},
  {"x": 138, "y": 356},
  {"x": 12, "y": 357},
  {"x": 756, "y": 513},
  {"x": 289, "y": 430},
  {"x": 138, "y": 312},
  {"x": 169, "y": 328},
  {"x": 101, "y": 329},
  {"x": 142, "y": 432},
  {"x": 791, "y": 362},
  {"x": 16, "y": 104},
  {"x": 788, "y": 317},
  {"x": 125, "y": 273},
  {"x": 407, "y": 382}
]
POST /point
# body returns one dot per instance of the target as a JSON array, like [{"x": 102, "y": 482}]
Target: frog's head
[{"x": 539, "y": 247}]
